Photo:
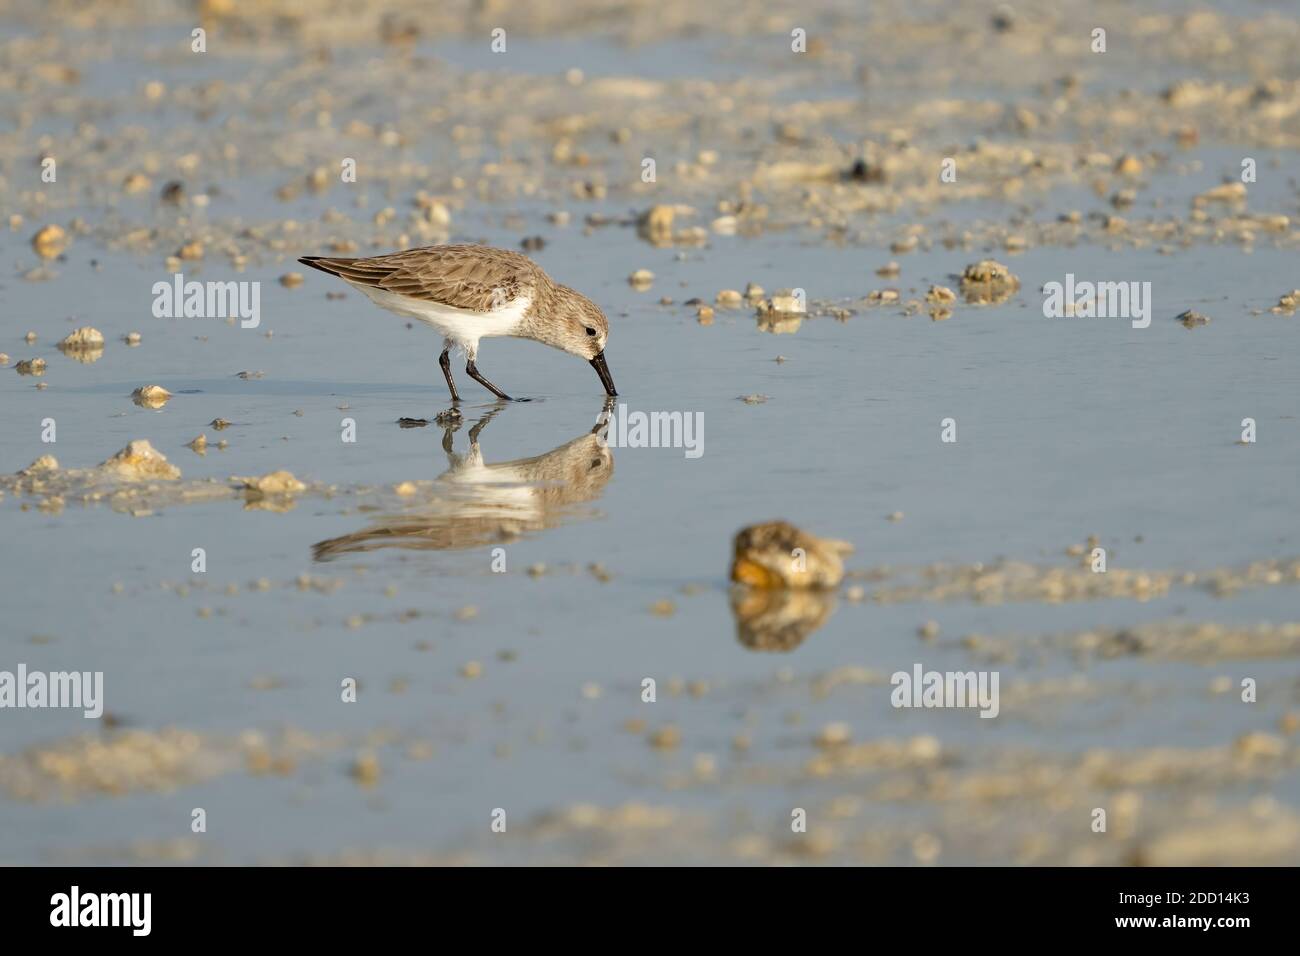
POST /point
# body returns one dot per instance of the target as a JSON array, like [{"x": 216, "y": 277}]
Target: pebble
[
  {"x": 1128, "y": 165},
  {"x": 787, "y": 301},
  {"x": 1259, "y": 744},
  {"x": 85, "y": 337},
  {"x": 273, "y": 483},
  {"x": 291, "y": 280},
  {"x": 666, "y": 738},
  {"x": 833, "y": 734},
  {"x": 173, "y": 193},
  {"x": 729, "y": 299},
  {"x": 365, "y": 769},
  {"x": 926, "y": 848},
  {"x": 656, "y": 223},
  {"x": 43, "y": 465},
  {"x": 1287, "y": 304},
  {"x": 988, "y": 282},
  {"x": 139, "y": 461},
  {"x": 1192, "y": 319},
  {"x": 151, "y": 396},
  {"x": 50, "y": 241},
  {"x": 1233, "y": 192}
]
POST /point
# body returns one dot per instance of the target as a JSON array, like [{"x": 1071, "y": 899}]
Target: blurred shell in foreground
[{"x": 776, "y": 555}]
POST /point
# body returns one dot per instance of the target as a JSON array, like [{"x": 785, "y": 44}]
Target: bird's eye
[{"x": 590, "y": 330}]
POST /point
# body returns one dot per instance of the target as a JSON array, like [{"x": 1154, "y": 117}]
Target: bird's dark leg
[
  {"x": 445, "y": 362},
  {"x": 472, "y": 371}
]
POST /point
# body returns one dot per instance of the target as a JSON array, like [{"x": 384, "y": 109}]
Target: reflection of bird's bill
[
  {"x": 601, "y": 428},
  {"x": 778, "y": 620},
  {"x": 479, "y": 504}
]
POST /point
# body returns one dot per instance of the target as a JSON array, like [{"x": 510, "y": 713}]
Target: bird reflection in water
[
  {"x": 778, "y": 620},
  {"x": 473, "y": 503}
]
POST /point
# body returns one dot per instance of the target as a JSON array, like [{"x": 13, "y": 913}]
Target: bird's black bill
[{"x": 598, "y": 363}]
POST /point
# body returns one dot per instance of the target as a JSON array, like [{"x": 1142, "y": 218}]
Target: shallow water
[{"x": 1066, "y": 428}]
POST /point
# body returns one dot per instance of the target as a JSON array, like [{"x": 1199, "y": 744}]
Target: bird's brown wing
[{"x": 476, "y": 278}]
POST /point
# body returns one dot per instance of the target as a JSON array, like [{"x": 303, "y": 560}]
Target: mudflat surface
[{"x": 523, "y": 691}]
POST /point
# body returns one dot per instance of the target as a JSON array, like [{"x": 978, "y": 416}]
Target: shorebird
[{"x": 471, "y": 292}]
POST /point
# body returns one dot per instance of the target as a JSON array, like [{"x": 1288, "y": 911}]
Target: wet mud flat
[{"x": 499, "y": 585}]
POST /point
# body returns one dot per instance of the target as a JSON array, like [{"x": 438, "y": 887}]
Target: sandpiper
[{"x": 469, "y": 292}]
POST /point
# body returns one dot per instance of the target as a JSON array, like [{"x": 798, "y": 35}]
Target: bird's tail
[
  {"x": 332, "y": 266},
  {"x": 358, "y": 271}
]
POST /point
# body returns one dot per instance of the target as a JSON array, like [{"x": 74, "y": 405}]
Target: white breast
[
  {"x": 492, "y": 491},
  {"x": 460, "y": 326}
]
